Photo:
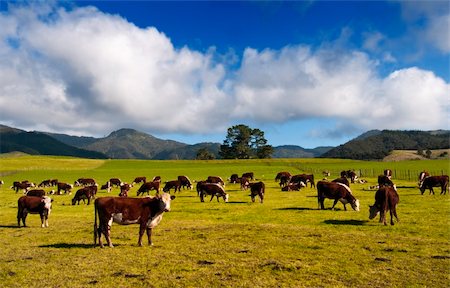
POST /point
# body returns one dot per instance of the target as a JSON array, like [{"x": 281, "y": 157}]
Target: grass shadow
[
  {"x": 237, "y": 202},
  {"x": 12, "y": 226},
  {"x": 346, "y": 222},
  {"x": 70, "y": 245},
  {"x": 295, "y": 209}
]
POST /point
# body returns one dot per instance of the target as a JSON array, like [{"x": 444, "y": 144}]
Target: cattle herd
[{"x": 148, "y": 211}]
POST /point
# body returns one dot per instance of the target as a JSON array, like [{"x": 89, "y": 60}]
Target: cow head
[
  {"x": 373, "y": 211},
  {"x": 355, "y": 205},
  {"x": 166, "y": 199}
]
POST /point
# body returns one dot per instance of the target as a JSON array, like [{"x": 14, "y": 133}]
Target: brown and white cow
[
  {"x": 147, "y": 212},
  {"x": 422, "y": 176},
  {"x": 24, "y": 186},
  {"x": 257, "y": 189},
  {"x": 115, "y": 182},
  {"x": 213, "y": 189},
  {"x": 338, "y": 192},
  {"x": 386, "y": 198},
  {"x": 249, "y": 175},
  {"x": 234, "y": 178},
  {"x": 107, "y": 186},
  {"x": 244, "y": 181},
  {"x": 36, "y": 192},
  {"x": 137, "y": 180},
  {"x": 124, "y": 189},
  {"x": 148, "y": 186},
  {"x": 388, "y": 173},
  {"x": 293, "y": 186},
  {"x": 305, "y": 178},
  {"x": 174, "y": 184},
  {"x": 215, "y": 179},
  {"x": 350, "y": 175},
  {"x": 84, "y": 193},
  {"x": 185, "y": 182},
  {"x": 45, "y": 183},
  {"x": 156, "y": 178},
  {"x": 64, "y": 187},
  {"x": 285, "y": 174},
  {"x": 84, "y": 182},
  {"x": 435, "y": 181},
  {"x": 34, "y": 205}
]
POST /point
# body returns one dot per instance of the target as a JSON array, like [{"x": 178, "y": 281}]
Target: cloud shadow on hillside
[{"x": 346, "y": 222}]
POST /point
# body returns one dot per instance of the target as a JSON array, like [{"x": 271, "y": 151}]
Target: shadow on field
[
  {"x": 346, "y": 222},
  {"x": 11, "y": 226},
  {"x": 236, "y": 202},
  {"x": 70, "y": 245},
  {"x": 295, "y": 209}
]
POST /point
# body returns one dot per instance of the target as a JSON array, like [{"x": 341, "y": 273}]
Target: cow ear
[{"x": 172, "y": 197}]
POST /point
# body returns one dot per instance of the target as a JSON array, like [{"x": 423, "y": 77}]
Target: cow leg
[
  {"x": 253, "y": 198},
  {"x": 149, "y": 236},
  {"x": 394, "y": 211},
  {"x": 212, "y": 196},
  {"x": 334, "y": 204},
  {"x": 42, "y": 220},
  {"x": 321, "y": 205},
  {"x": 142, "y": 228}
]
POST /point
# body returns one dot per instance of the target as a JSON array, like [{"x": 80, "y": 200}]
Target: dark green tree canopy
[{"x": 243, "y": 142}]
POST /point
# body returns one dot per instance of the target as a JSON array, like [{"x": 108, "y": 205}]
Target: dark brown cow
[
  {"x": 148, "y": 186},
  {"x": 386, "y": 198},
  {"x": 305, "y": 178},
  {"x": 336, "y": 191},
  {"x": 342, "y": 180},
  {"x": 213, "y": 189},
  {"x": 282, "y": 174},
  {"x": 36, "y": 192},
  {"x": 64, "y": 187},
  {"x": 45, "y": 183},
  {"x": 53, "y": 182},
  {"x": 137, "y": 180},
  {"x": 115, "y": 182},
  {"x": 257, "y": 189},
  {"x": 174, "y": 184},
  {"x": 84, "y": 193},
  {"x": 24, "y": 186},
  {"x": 435, "y": 181},
  {"x": 350, "y": 175},
  {"x": 215, "y": 179},
  {"x": 284, "y": 180},
  {"x": 249, "y": 175},
  {"x": 185, "y": 182},
  {"x": 34, "y": 205},
  {"x": 422, "y": 176},
  {"x": 147, "y": 212},
  {"x": 384, "y": 180},
  {"x": 84, "y": 182},
  {"x": 244, "y": 181},
  {"x": 124, "y": 189},
  {"x": 234, "y": 178}
]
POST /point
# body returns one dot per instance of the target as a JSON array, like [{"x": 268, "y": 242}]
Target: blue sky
[{"x": 307, "y": 73}]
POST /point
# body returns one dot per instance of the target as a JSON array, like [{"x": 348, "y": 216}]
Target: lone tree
[
  {"x": 204, "y": 154},
  {"x": 242, "y": 142}
]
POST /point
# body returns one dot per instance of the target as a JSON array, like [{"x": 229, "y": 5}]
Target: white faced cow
[{"x": 34, "y": 205}]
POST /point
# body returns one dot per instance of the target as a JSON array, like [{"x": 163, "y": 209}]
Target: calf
[
  {"x": 293, "y": 186},
  {"x": 148, "y": 186},
  {"x": 64, "y": 187},
  {"x": 175, "y": 184},
  {"x": 212, "y": 189},
  {"x": 34, "y": 205},
  {"x": 106, "y": 187},
  {"x": 234, "y": 178},
  {"x": 257, "y": 189},
  {"x": 36, "y": 192},
  {"x": 147, "y": 212},
  {"x": 434, "y": 181},
  {"x": 84, "y": 193},
  {"x": 185, "y": 182},
  {"x": 115, "y": 182},
  {"x": 386, "y": 198},
  {"x": 336, "y": 191},
  {"x": 124, "y": 188},
  {"x": 244, "y": 183}
]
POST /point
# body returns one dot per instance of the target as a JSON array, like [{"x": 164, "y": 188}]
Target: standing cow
[
  {"x": 257, "y": 189},
  {"x": 185, "y": 182},
  {"x": 435, "y": 181},
  {"x": 147, "y": 212},
  {"x": 34, "y": 205},
  {"x": 422, "y": 176},
  {"x": 338, "y": 192},
  {"x": 84, "y": 193},
  {"x": 212, "y": 189},
  {"x": 148, "y": 186},
  {"x": 386, "y": 198},
  {"x": 174, "y": 184}
]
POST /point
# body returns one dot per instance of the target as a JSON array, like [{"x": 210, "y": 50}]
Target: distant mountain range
[{"x": 132, "y": 144}]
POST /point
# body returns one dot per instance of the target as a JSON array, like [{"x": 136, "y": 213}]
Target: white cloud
[{"x": 86, "y": 72}]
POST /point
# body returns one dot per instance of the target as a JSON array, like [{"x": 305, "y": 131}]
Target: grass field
[{"x": 284, "y": 242}]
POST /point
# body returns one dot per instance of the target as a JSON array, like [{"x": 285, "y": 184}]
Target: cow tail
[{"x": 95, "y": 223}]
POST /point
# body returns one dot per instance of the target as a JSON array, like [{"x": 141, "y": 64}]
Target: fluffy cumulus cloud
[{"x": 82, "y": 71}]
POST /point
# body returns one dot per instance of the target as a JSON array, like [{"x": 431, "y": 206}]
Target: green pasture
[{"x": 284, "y": 242}]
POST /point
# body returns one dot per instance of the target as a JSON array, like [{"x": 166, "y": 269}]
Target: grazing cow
[
  {"x": 244, "y": 183},
  {"x": 24, "y": 186},
  {"x": 282, "y": 174},
  {"x": 84, "y": 182},
  {"x": 213, "y": 189},
  {"x": 293, "y": 186},
  {"x": 386, "y": 198},
  {"x": 257, "y": 189},
  {"x": 305, "y": 178},
  {"x": 115, "y": 182},
  {"x": 342, "y": 180},
  {"x": 36, "y": 192},
  {"x": 249, "y": 175},
  {"x": 45, "y": 183},
  {"x": 64, "y": 187},
  {"x": 175, "y": 184},
  {"x": 84, "y": 193},
  {"x": 106, "y": 187},
  {"x": 215, "y": 179},
  {"x": 34, "y": 205},
  {"x": 284, "y": 180},
  {"x": 185, "y": 182},
  {"x": 435, "y": 181},
  {"x": 147, "y": 212},
  {"x": 388, "y": 173},
  {"x": 422, "y": 176},
  {"x": 137, "y": 180},
  {"x": 384, "y": 180},
  {"x": 53, "y": 182},
  {"x": 148, "y": 186},
  {"x": 349, "y": 174},
  {"x": 336, "y": 191},
  {"x": 234, "y": 178},
  {"x": 124, "y": 188}
]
